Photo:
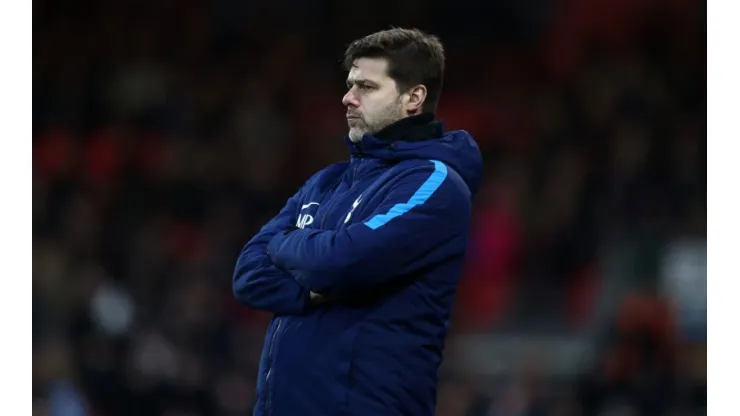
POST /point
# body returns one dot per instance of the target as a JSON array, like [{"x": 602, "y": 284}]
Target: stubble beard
[
  {"x": 356, "y": 132},
  {"x": 388, "y": 116}
]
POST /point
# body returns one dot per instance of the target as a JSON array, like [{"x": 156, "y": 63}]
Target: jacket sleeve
[
  {"x": 423, "y": 218},
  {"x": 258, "y": 283}
]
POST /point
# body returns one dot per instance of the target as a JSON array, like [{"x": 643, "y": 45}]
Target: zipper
[
  {"x": 334, "y": 199},
  {"x": 357, "y": 168},
  {"x": 361, "y": 157},
  {"x": 268, "y": 393},
  {"x": 326, "y": 210}
]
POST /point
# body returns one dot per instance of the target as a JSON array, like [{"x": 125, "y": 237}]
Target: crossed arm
[
  {"x": 257, "y": 282},
  {"x": 407, "y": 231},
  {"x": 283, "y": 267}
]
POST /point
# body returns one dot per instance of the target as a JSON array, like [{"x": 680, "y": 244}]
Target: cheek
[
  {"x": 372, "y": 107},
  {"x": 366, "y": 111}
]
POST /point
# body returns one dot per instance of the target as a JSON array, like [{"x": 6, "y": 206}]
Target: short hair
[{"x": 413, "y": 56}]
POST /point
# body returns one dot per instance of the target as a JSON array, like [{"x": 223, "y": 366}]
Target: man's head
[{"x": 393, "y": 74}]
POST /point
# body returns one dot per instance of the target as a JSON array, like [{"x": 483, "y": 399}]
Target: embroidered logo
[
  {"x": 354, "y": 205},
  {"x": 305, "y": 219}
]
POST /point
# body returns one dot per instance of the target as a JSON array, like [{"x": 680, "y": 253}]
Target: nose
[{"x": 350, "y": 99}]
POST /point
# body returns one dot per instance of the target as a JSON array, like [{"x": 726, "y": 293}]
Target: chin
[{"x": 355, "y": 135}]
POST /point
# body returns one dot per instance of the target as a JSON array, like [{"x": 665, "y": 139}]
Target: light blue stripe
[{"x": 420, "y": 196}]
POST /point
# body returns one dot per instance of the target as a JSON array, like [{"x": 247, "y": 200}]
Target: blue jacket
[{"x": 384, "y": 237}]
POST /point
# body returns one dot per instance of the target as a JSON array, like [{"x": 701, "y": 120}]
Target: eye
[{"x": 365, "y": 87}]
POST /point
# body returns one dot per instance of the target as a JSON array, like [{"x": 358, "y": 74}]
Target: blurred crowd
[{"x": 165, "y": 133}]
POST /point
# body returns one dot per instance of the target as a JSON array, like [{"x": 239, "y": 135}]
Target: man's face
[{"x": 373, "y": 100}]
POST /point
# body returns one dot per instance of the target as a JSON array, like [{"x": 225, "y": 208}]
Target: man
[{"x": 361, "y": 266}]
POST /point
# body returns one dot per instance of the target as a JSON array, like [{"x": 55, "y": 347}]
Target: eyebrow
[{"x": 360, "y": 81}]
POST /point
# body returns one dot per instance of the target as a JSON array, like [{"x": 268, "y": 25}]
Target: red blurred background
[{"x": 165, "y": 133}]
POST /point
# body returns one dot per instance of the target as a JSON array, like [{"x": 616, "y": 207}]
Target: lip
[{"x": 353, "y": 118}]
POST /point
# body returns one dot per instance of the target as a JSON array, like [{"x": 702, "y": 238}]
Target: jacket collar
[{"x": 411, "y": 129}]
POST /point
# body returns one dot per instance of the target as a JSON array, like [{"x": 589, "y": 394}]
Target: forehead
[{"x": 373, "y": 69}]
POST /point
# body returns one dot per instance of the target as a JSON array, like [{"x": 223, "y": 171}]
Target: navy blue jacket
[{"x": 384, "y": 236}]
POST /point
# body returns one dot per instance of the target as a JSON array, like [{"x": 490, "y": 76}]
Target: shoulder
[{"x": 430, "y": 176}]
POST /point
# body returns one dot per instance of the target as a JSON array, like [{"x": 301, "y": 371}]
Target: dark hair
[{"x": 413, "y": 56}]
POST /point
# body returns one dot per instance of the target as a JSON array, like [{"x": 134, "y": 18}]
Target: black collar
[{"x": 412, "y": 128}]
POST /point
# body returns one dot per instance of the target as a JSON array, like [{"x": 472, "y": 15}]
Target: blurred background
[{"x": 165, "y": 133}]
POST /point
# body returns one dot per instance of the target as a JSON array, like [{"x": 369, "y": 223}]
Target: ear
[{"x": 416, "y": 98}]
